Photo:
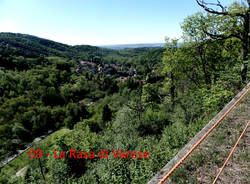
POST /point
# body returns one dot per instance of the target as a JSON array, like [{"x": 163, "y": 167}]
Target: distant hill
[
  {"x": 130, "y": 46},
  {"x": 29, "y": 46},
  {"x": 32, "y": 46}
]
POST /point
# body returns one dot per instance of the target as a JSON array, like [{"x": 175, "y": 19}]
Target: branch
[
  {"x": 193, "y": 80},
  {"x": 203, "y": 4},
  {"x": 161, "y": 99},
  {"x": 218, "y": 4},
  {"x": 221, "y": 37},
  {"x": 223, "y": 11}
]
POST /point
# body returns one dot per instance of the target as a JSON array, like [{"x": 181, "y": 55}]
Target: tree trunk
[
  {"x": 41, "y": 169},
  {"x": 207, "y": 78},
  {"x": 245, "y": 42},
  {"x": 140, "y": 101},
  {"x": 172, "y": 90}
]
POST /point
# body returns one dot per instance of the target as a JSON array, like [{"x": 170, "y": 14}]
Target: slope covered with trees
[{"x": 174, "y": 93}]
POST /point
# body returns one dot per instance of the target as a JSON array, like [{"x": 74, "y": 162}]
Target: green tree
[
  {"x": 172, "y": 68},
  {"x": 227, "y": 23}
]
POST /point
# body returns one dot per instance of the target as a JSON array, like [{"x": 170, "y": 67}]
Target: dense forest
[{"x": 142, "y": 99}]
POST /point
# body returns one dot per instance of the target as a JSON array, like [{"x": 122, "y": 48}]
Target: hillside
[
  {"x": 39, "y": 76},
  {"x": 205, "y": 162},
  {"x": 118, "y": 116},
  {"x": 143, "y": 99},
  {"x": 32, "y": 47}
]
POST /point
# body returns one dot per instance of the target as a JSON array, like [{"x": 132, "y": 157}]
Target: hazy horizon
[
  {"x": 93, "y": 22},
  {"x": 102, "y": 45}
]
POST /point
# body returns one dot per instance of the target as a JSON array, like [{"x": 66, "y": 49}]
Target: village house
[
  {"x": 132, "y": 71},
  {"x": 123, "y": 79}
]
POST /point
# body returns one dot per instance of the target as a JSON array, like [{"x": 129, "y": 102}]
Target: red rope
[
  {"x": 203, "y": 137},
  {"x": 225, "y": 163}
]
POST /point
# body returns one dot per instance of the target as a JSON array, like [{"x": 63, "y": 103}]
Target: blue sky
[{"x": 97, "y": 22}]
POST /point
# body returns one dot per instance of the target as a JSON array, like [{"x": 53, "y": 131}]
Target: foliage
[{"x": 175, "y": 92}]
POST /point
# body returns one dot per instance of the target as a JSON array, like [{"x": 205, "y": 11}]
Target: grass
[{"x": 204, "y": 163}]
